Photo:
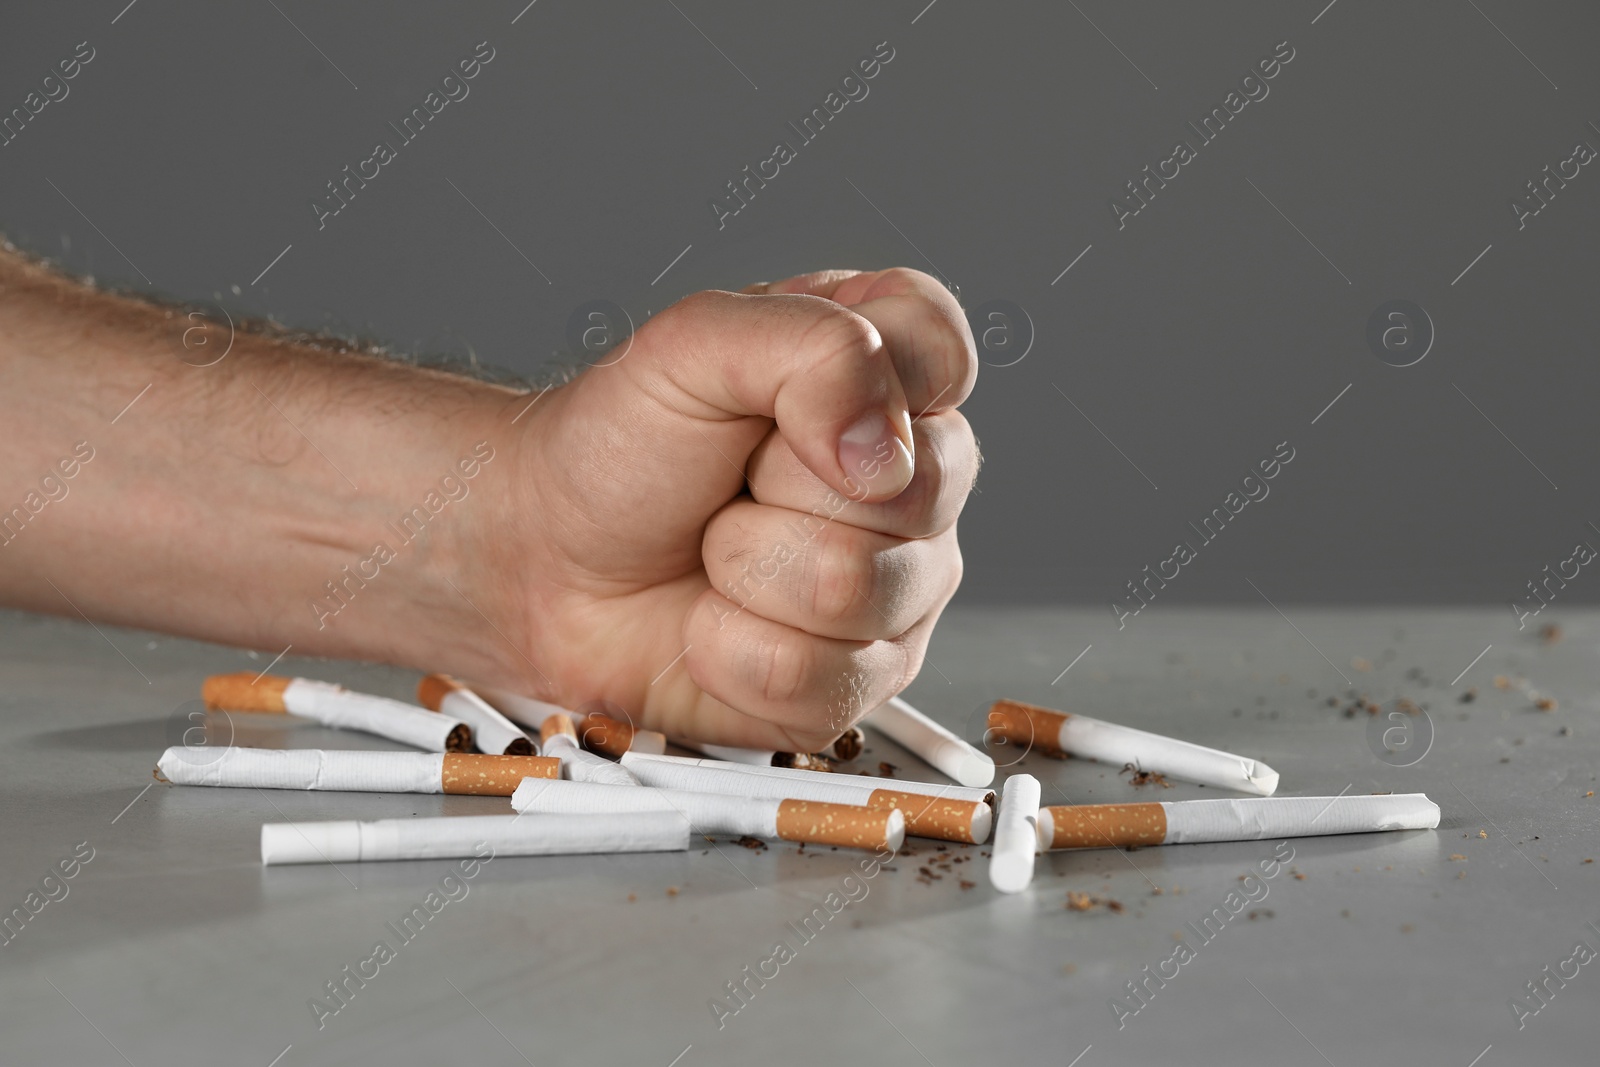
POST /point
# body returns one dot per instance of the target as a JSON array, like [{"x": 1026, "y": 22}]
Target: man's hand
[{"x": 743, "y": 531}]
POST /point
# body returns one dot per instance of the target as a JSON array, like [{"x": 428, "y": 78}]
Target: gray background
[{"x": 1195, "y": 339}]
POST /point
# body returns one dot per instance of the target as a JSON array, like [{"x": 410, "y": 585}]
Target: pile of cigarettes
[{"x": 588, "y": 783}]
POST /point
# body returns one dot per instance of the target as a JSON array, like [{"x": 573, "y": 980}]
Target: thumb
[{"x": 708, "y": 377}]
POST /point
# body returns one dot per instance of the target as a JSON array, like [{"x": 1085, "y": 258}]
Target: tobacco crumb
[
  {"x": 1079, "y": 901},
  {"x": 1550, "y": 634},
  {"x": 1140, "y": 778},
  {"x": 1588, "y": 861},
  {"x": 1502, "y": 682},
  {"x": 633, "y": 898},
  {"x": 1406, "y": 928},
  {"x": 1483, "y": 834},
  {"x": 1470, "y": 695},
  {"x": 1505, "y": 759},
  {"x": 1115, "y": 906},
  {"x": 1457, "y": 856},
  {"x": 672, "y": 890},
  {"x": 1069, "y": 968},
  {"x": 887, "y": 769},
  {"x": 1545, "y": 703},
  {"x": 754, "y": 844},
  {"x": 1298, "y": 876},
  {"x": 965, "y": 885},
  {"x": 1359, "y": 664},
  {"x": 1344, "y": 913},
  {"x": 1460, "y": 875},
  {"x": 1156, "y": 892},
  {"x": 1589, "y": 794}
]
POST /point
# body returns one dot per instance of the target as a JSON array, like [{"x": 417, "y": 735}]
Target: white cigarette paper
[
  {"x": 492, "y": 731},
  {"x": 1016, "y": 834},
  {"x": 714, "y": 813},
  {"x": 943, "y": 790},
  {"x": 926, "y": 816},
  {"x": 581, "y": 766},
  {"x": 1119, "y": 746},
  {"x": 1192, "y": 821},
  {"x": 307, "y": 768},
  {"x": 932, "y": 742},
  {"x": 473, "y": 835}
]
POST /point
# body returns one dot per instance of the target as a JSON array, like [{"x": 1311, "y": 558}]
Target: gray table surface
[{"x": 173, "y": 945}]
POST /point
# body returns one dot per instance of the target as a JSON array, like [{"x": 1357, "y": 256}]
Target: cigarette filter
[
  {"x": 334, "y": 705},
  {"x": 1188, "y": 821},
  {"x": 1087, "y": 738},
  {"x": 612, "y": 737},
  {"x": 362, "y": 772},
  {"x": 492, "y": 731},
  {"x": 599, "y": 733},
  {"x": 933, "y": 743},
  {"x": 925, "y": 816},
  {"x": 761, "y": 757},
  {"x": 473, "y": 835},
  {"x": 849, "y": 825},
  {"x": 1016, "y": 834},
  {"x": 942, "y": 790}
]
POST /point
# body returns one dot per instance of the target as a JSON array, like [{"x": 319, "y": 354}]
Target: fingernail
[{"x": 874, "y": 457}]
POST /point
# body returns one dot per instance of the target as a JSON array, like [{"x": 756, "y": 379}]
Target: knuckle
[
  {"x": 837, "y": 333},
  {"x": 785, "y": 668},
  {"x": 843, "y": 580}
]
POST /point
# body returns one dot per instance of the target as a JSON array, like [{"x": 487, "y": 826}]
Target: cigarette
[
  {"x": 1106, "y": 742},
  {"x": 930, "y": 789},
  {"x": 1016, "y": 834},
  {"x": 481, "y": 836},
  {"x": 811, "y": 822},
  {"x": 333, "y": 705},
  {"x": 557, "y": 739},
  {"x": 599, "y": 733},
  {"x": 1189, "y": 821},
  {"x": 762, "y": 757},
  {"x": 361, "y": 772},
  {"x": 492, "y": 731},
  {"x": 925, "y": 816},
  {"x": 933, "y": 743}
]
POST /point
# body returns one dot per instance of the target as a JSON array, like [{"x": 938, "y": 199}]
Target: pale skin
[{"x": 742, "y": 531}]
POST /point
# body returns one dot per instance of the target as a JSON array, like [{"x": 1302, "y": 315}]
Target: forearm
[{"x": 261, "y": 501}]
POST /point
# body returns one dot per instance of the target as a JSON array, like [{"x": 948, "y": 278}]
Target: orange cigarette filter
[
  {"x": 433, "y": 688},
  {"x": 493, "y": 776},
  {"x": 242, "y": 691},
  {"x": 948, "y": 820},
  {"x": 1026, "y": 724},
  {"x": 1107, "y": 825},
  {"x": 556, "y": 724},
  {"x": 605, "y": 735},
  {"x": 846, "y": 825}
]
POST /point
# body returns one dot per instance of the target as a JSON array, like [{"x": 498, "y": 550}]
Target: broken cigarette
[
  {"x": 943, "y": 790},
  {"x": 1086, "y": 738},
  {"x": 598, "y": 733},
  {"x": 932, "y": 742},
  {"x": 926, "y": 816},
  {"x": 559, "y": 739},
  {"x": 334, "y": 705},
  {"x": 362, "y": 772},
  {"x": 761, "y": 757},
  {"x": 481, "y": 836},
  {"x": 1189, "y": 821},
  {"x": 811, "y": 822},
  {"x": 492, "y": 731},
  {"x": 1016, "y": 834}
]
